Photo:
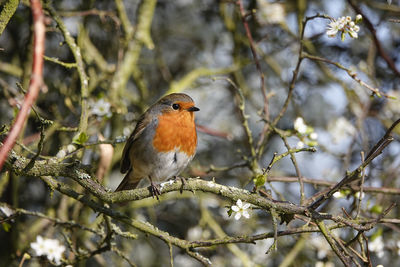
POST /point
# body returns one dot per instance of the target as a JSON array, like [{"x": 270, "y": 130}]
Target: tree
[{"x": 298, "y": 145}]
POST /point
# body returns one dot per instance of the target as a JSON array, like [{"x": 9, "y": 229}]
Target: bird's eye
[{"x": 175, "y": 106}]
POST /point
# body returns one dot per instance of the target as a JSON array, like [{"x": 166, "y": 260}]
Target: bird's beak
[{"x": 192, "y": 109}]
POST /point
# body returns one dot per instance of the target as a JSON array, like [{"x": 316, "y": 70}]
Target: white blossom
[
  {"x": 392, "y": 107},
  {"x": 300, "y": 144},
  {"x": 61, "y": 154},
  {"x": 211, "y": 202},
  {"x": 359, "y": 195},
  {"x": 129, "y": 116},
  {"x": 353, "y": 33},
  {"x": 313, "y": 136},
  {"x": 341, "y": 129},
  {"x": 333, "y": 27},
  {"x": 344, "y": 25},
  {"x": 241, "y": 209},
  {"x": 322, "y": 246},
  {"x": 300, "y": 126},
  {"x": 51, "y": 248},
  {"x": 377, "y": 246},
  {"x": 194, "y": 233},
  {"x": 127, "y": 131},
  {"x": 6, "y": 210},
  {"x": 270, "y": 13},
  {"x": 101, "y": 108},
  {"x": 338, "y": 194}
]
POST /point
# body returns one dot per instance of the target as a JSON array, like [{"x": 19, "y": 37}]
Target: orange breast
[{"x": 176, "y": 130}]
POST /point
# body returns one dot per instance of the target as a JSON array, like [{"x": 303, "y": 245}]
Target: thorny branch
[{"x": 355, "y": 175}]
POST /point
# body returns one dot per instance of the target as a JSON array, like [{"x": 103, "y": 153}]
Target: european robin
[{"x": 162, "y": 144}]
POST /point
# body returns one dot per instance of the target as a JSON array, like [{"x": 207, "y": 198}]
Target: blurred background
[{"x": 194, "y": 47}]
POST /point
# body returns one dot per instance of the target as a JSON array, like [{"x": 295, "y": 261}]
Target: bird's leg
[
  {"x": 183, "y": 180},
  {"x": 155, "y": 190}
]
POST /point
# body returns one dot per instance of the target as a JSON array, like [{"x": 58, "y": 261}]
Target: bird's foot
[
  {"x": 155, "y": 190},
  {"x": 184, "y": 182}
]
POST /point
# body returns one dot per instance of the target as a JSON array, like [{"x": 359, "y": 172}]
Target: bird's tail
[{"x": 128, "y": 182}]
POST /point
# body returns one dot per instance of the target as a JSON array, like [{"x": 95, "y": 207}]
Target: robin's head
[{"x": 176, "y": 103}]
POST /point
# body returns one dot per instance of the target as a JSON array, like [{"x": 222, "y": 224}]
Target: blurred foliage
[{"x": 134, "y": 52}]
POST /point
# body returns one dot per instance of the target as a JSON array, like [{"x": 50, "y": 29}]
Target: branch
[
  {"x": 294, "y": 161},
  {"x": 7, "y": 12},
  {"x": 35, "y": 83},
  {"x": 328, "y": 236},
  {"x": 84, "y": 80},
  {"x": 252, "y": 162},
  {"x": 296, "y": 71},
  {"x": 324, "y": 183},
  {"x": 354, "y": 175},
  {"x": 126, "y": 24},
  {"x": 378, "y": 45},
  {"x": 66, "y": 224},
  {"x": 79, "y": 173},
  {"x": 141, "y": 226},
  {"x": 141, "y": 37},
  {"x": 188, "y": 79},
  {"x": 256, "y": 60},
  {"x": 351, "y": 73}
]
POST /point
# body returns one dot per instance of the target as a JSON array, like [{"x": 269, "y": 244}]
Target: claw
[
  {"x": 155, "y": 190},
  {"x": 184, "y": 182}
]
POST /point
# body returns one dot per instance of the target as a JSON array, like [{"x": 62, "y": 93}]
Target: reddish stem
[
  {"x": 212, "y": 132},
  {"x": 35, "y": 82}
]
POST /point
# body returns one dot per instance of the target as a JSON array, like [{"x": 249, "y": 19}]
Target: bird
[{"x": 162, "y": 144}]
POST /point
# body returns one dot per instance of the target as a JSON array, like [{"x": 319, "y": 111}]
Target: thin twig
[
  {"x": 84, "y": 79},
  {"x": 256, "y": 60},
  {"x": 378, "y": 44},
  {"x": 361, "y": 187},
  {"x": 354, "y": 175},
  {"x": 324, "y": 183},
  {"x": 351, "y": 73}
]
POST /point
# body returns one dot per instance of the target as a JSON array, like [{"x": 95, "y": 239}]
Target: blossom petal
[
  {"x": 235, "y": 208},
  {"x": 238, "y": 215},
  {"x": 246, "y": 214}
]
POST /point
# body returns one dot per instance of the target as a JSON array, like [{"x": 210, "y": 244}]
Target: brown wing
[{"x": 144, "y": 120}]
